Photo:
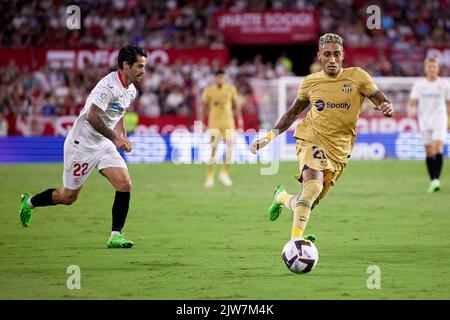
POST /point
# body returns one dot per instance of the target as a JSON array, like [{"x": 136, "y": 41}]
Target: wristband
[{"x": 270, "y": 135}]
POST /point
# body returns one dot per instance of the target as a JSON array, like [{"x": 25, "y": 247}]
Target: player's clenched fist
[
  {"x": 385, "y": 108},
  {"x": 259, "y": 144},
  {"x": 123, "y": 144}
]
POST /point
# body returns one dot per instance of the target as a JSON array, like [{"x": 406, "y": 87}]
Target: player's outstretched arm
[
  {"x": 94, "y": 117},
  {"x": 286, "y": 120},
  {"x": 382, "y": 104}
]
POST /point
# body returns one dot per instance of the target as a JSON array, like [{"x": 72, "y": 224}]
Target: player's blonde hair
[
  {"x": 330, "y": 38},
  {"x": 431, "y": 59}
]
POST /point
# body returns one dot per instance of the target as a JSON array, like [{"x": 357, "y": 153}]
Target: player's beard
[{"x": 137, "y": 78}]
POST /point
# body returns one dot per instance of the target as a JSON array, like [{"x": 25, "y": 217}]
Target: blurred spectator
[
  {"x": 131, "y": 120},
  {"x": 3, "y": 125},
  {"x": 148, "y": 105},
  {"x": 174, "y": 101},
  {"x": 286, "y": 62},
  {"x": 315, "y": 67}
]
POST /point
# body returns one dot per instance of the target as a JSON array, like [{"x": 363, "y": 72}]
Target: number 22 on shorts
[{"x": 80, "y": 169}]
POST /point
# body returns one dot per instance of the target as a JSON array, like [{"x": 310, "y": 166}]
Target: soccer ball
[{"x": 300, "y": 255}]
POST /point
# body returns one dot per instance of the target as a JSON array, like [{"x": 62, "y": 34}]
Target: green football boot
[
  {"x": 435, "y": 185},
  {"x": 119, "y": 241},
  {"x": 25, "y": 210},
  {"x": 310, "y": 237},
  {"x": 275, "y": 208}
]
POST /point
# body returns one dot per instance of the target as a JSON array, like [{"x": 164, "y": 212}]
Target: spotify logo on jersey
[{"x": 320, "y": 105}]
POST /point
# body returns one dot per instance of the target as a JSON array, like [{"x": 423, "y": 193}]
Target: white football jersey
[
  {"x": 113, "y": 98},
  {"x": 431, "y": 98}
]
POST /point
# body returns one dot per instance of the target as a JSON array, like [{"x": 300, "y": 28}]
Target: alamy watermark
[
  {"x": 374, "y": 19},
  {"x": 374, "y": 280},
  {"x": 74, "y": 280},
  {"x": 73, "y": 17},
  {"x": 195, "y": 147}
]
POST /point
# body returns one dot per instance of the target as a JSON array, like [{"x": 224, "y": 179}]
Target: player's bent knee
[
  {"x": 312, "y": 190},
  {"x": 429, "y": 150},
  {"x": 438, "y": 147},
  {"x": 124, "y": 186}
]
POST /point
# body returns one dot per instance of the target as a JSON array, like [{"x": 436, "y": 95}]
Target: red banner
[
  {"x": 79, "y": 58},
  {"x": 268, "y": 27}
]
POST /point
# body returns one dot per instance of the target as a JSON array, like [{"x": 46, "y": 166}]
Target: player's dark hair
[
  {"x": 130, "y": 54},
  {"x": 219, "y": 72}
]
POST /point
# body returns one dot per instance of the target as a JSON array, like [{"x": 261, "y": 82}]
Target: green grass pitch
[{"x": 192, "y": 243}]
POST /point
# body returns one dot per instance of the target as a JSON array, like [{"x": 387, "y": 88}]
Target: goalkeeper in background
[{"x": 325, "y": 138}]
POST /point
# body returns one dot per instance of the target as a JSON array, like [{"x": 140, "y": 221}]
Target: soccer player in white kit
[
  {"x": 432, "y": 97},
  {"x": 92, "y": 144}
]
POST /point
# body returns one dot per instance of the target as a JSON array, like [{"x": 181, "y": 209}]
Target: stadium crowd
[
  {"x": 165, "y": 90},
  {"x": 172, "y": 23},
  {"x": 405, "y": 25}
]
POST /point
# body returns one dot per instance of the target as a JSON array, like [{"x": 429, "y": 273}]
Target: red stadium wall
[{"x": 78, "y": 58}]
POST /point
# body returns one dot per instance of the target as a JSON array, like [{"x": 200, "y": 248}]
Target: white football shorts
[
  {"x": 80, "y": 161},
  {"x": 431, "y": 134}
]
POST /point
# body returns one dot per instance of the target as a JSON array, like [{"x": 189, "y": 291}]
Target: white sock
[
  {"x": 114, "y": 233},
  {"x": 29, "y": 202},
  {"x": 279, "y": 196},
  {"x": 288, "y": 201}
]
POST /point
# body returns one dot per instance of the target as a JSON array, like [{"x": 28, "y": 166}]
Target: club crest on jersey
[
  {"x": 320, "y": 105},
  {"x": 347, "y": 87},
  {"x": 116, "y": 106}
]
